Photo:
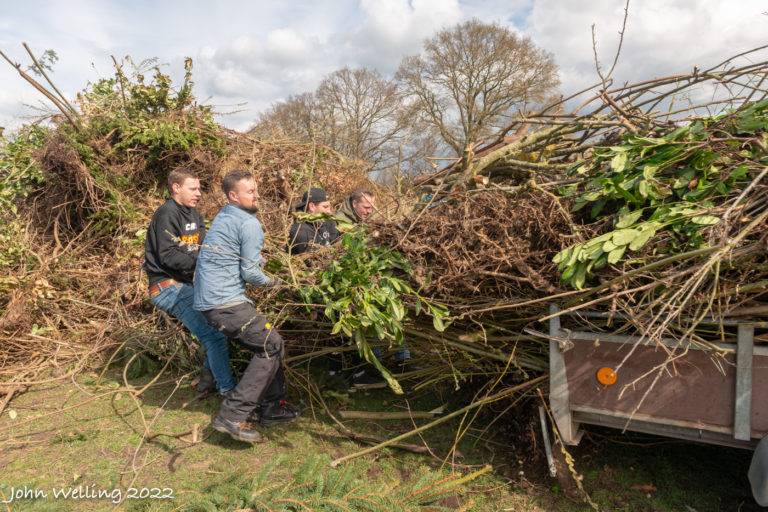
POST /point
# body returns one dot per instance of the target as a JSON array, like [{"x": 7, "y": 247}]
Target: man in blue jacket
[
  {"x": 230, "y": 259},
  {"x": 173, "y": 239}
]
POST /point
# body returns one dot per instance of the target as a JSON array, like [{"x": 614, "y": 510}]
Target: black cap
[{"x": 315, "y": 195}]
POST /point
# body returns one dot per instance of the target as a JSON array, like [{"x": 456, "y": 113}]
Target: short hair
[
  {"x": 229, "y": 182},
  {"x": 359, "y": 193},
  {"x": 179, "y": 175}
]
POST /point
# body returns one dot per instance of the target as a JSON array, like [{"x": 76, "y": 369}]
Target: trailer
[{"x": 623, "y": 382}]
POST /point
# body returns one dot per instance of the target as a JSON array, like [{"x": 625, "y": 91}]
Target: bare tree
[
  {"x": 357, "y": 112},
  {"x": 296, "y": 118},
  {"x": 472, "y": 77},
  {"x": 363, "y": 110}
]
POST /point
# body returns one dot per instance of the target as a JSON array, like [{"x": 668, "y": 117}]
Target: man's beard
[{"x": 252, "y": 209}]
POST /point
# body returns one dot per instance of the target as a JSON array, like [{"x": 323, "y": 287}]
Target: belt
[{"x": 155, "y": 288}]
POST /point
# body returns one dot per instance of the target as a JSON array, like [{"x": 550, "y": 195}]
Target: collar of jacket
[
  {"x": 349, "y": 211},
  {"x": 235, "y": 210}
]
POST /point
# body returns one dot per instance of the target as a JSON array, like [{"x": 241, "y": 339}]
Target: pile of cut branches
[
  {"x": 653, "y": 203},
  {"x": 639, "y": 206},
  {"x": 483, "y": 246}
]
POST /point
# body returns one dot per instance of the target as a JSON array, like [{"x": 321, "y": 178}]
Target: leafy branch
[
  {"x": 364, "y": 297},
  {"x": 667, "y": 184}
]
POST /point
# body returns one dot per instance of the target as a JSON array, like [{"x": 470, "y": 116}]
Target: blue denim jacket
[{"x": 229, "y": 259}]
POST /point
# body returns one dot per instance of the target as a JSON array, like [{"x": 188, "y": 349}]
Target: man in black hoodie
[
  {"x": 303, "y": 234},
  {"x": 173, "y": 239}
]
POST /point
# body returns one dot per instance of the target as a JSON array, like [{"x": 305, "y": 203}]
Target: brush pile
[
  {"x": 77, "y": 196},
  {"x": 640, "y": 206}
]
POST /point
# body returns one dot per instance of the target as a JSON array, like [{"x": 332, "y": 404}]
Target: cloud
[
  {"x": 283, "y": 62},
  {"x": 286, "y": 46},
  {"x": 393, "y": 29},
  {"x": 662, "y": 37},
  {"x": 266, "y": 67},
  {"x": 259, "y": 70},
  {"x": 511, "y": 13},
  {"x": 261, "y": 52},
  {"x": 92, "y": 24}
]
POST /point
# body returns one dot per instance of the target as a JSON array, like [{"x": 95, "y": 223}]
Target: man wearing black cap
[{"x": 303, "y": 234}]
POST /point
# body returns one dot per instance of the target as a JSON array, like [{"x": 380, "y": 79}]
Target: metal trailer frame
[{"x": 568, "y": 416}]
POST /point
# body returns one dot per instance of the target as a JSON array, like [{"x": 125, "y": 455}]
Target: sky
[{"x": 250, "y": 54}]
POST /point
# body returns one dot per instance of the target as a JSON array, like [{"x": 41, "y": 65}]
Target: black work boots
[
  {"x": 240, "y": 431},
  {"x": 206, "y": 386},
  {"x": 269, "y": 414},
  {"x": 274, "y": 413}
]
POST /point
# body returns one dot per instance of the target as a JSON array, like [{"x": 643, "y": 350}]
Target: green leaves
[
  {"x": 579, "y": 260},
  {"x": 151, "y": 115},
  {"x": 628, "y": 219},
  {"x": 624, "y": 236},
  {"x": 440, "y": 316},
  {"x": 620, "y": 161},
  {"x": 705, "y": 220},
  {"x": 662, "y": 184},
  {"x": 643, "y": 236},
  {"x": 615, "y": 255},
  {"x": 365, "y": 299},
  {"x": 752, "y": 118},
  {"x": 20, "y": 174}
]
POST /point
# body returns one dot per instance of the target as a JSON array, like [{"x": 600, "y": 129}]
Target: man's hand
[{"x": 274, "y": 284}]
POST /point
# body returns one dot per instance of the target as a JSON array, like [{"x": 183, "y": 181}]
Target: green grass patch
[{"x": 79, "y": 443}]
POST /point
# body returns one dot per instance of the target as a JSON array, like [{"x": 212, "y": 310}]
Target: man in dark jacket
[
  {"x": 303, "y": 234},
  {"x": 173, "y": 238},
  {"x": 356, "y": 209}
]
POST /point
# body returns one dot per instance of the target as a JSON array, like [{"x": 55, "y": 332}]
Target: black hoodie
[
  {"x": 165, "y": 258},
  {"x": 303, "y": 234}
]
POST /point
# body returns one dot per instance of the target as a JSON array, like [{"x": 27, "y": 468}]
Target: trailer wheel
[{"x": 758, "y": 473}]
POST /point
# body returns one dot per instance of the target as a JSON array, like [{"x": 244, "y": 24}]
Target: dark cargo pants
[{"x": 263, "y": 379}]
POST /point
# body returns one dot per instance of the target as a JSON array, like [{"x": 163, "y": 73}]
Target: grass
[
  {"x": 658, "y": 474},
  {"x": 102, "y": 446}
]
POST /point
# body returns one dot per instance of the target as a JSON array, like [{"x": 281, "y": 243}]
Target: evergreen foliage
[{"x": 313, "y": 485}]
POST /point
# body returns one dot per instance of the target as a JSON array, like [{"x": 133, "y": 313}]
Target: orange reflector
[
  {"x": 606, "y": 376},
  {"x": 267, "y": 326}
]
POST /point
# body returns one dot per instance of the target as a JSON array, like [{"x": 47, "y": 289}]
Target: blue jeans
[
  {"x": 401, "y": 355},
  {"x": 176, "y": 300}
]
